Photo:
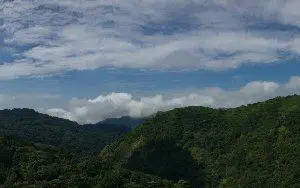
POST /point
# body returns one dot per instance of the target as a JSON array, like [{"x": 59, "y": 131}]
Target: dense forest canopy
[
  {"x": 26, "y": 124},
  {"x": 257, "y": 145}
]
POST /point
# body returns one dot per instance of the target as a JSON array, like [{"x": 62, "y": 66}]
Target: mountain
[
  {"x": 24, "y": 163},
  {"x": 125, "y": 120},
  {"x": 27, "y": 164},
  {"x": 37, "y": 150},
  {"x": 28, "y": 125},
  {"x": 257, "y": 145}
]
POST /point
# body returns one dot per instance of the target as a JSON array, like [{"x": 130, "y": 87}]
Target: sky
[{"x": 88, "y": 60}]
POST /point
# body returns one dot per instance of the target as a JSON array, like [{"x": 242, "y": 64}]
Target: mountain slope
[
  {"x": 251, "y": 146},
  {"x": 38, "y": 150},
  {"x": 24, "y": 163},
  {"x": 125, "y": 120},
  {"x": 28, "y": 125}
]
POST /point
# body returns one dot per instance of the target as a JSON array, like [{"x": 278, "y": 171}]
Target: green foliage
[
  {"x": 79, "y": 140},
  {"x": 26, "y": 163},
  {"x": 251, "y": 146}
]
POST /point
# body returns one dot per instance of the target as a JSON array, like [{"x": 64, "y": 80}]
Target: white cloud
[
  {"x": 57, "y": 36},
  {"x": 294, "y": 83},
  {"x": 289, "y": 13},
  {"x": 121, "y": 104},
  {"x": 260, "y": 86},
  {"x": 124, "y": 104},
  {"x": 60, "y": 113}
]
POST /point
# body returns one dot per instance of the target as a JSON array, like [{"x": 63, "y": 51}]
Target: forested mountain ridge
[
  {"x": 257, "y": 145},
  {"x": 37, "y": 150},
  {"x": 125, "y": 120},
  {"x": 31, "y": 126},
  {"x": 27, "y": 164}
]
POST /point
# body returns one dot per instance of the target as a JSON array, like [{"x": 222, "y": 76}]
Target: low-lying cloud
[{"x": 124, "y": 104}]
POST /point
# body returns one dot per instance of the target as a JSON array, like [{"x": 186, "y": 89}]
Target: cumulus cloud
[
  {"x": 260, "y": 86},
  {"x": 47, "y": 37},
  {"x": 124, "y": 104},
  {"x": 294, "y": 83},
  {"x": 58, "y": 112}
]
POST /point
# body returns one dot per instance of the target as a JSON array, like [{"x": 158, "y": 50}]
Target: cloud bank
[
  {"x": 42, "y": 37},
  {"x": 124, "y": 104}
]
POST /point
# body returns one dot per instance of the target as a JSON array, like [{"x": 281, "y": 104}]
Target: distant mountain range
[{"x": 125, "y": 120}]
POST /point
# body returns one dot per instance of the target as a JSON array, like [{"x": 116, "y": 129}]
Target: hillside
[
  {"x": 257, "y": 145},
  {"x": 251, "y": 146},
  {"x": 28, "y": 125},
  {"x": 27, "y": 164},
  {"x": 24, "y": 163}
]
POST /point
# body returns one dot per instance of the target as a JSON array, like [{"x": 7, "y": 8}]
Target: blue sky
[{"x": 95, "y": 59}]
